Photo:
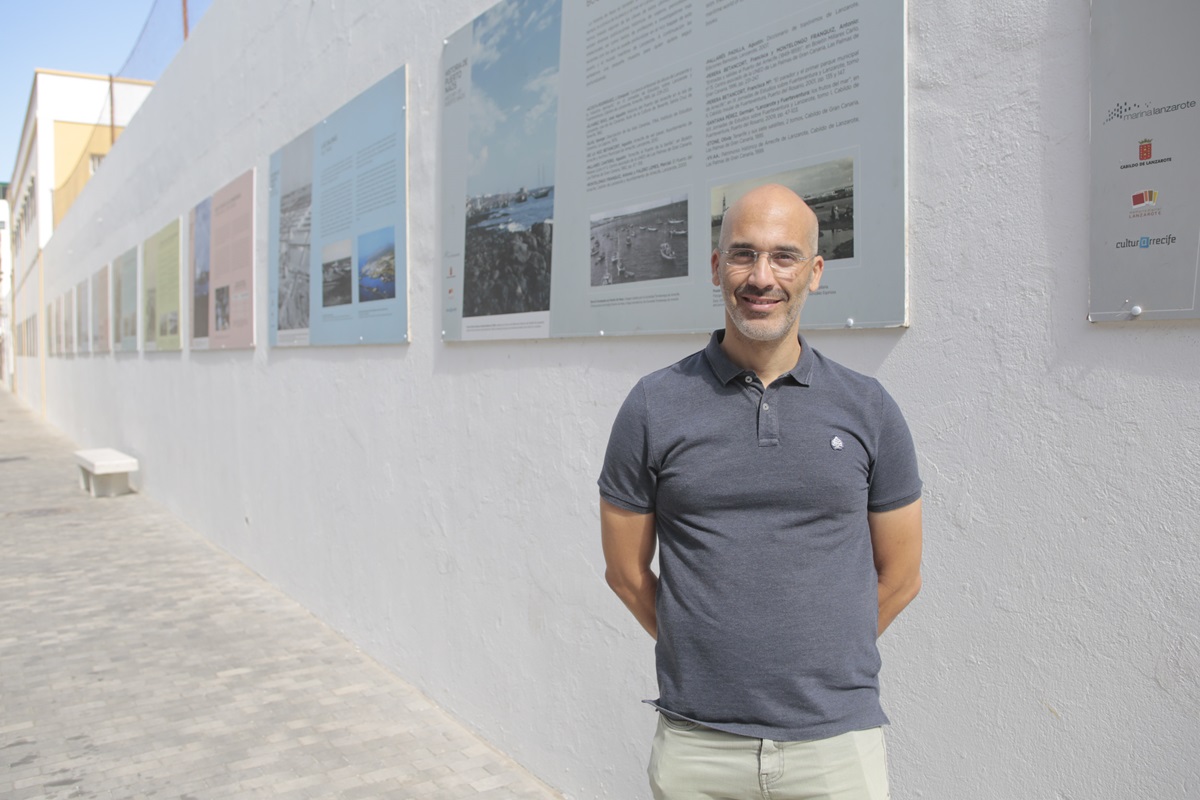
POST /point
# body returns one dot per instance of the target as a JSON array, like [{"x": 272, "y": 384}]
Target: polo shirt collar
[{"x": 726, "y": 370}]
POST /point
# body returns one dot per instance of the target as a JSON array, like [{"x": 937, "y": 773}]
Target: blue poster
[{"x": 338, "y": 217}]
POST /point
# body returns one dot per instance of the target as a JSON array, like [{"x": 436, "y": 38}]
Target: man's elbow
[
  {"x": 910, "y": 588},
  {"x": 625, "y": 584},
  {"x": 618, "y": 581},
  {"x": 902, "y": 588}
]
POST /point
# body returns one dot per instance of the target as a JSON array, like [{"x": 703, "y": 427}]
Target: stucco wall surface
[{"x": 436, "y": 502}]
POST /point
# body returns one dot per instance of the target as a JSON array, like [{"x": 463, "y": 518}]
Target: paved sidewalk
[{"x": 137, "y": 661}]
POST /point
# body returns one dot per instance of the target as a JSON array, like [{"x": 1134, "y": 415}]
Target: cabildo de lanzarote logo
[
  {"x": 1127, "y": 111},
  {"x": 1145, "y": 151}
]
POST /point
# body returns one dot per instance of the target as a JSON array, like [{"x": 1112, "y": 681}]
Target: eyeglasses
[{"x": 784, "y": 263}]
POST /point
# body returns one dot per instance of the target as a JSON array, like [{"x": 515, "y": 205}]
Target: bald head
[{"x": 771, "y": 202}]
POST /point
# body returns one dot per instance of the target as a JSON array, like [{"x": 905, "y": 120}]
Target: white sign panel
[{"x": 1145, "y": 243}]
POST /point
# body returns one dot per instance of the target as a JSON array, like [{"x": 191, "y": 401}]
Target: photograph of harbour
[
  {"x": 337, "y": 274},
  {"x": 201, "y": 233},
  {"x": 377, "y": 265},
  {"x": 221, "y": 308},
  {"x": 295, "y": 233},
  {"x": 509, "y": 210},
  {"x": 642, "y": 242},
  {"x": 828, "y": 188}
]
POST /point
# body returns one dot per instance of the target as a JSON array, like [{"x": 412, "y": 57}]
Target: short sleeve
[
  {"x": 895, "y": 478},
  {"x": 628, "y": 479}
]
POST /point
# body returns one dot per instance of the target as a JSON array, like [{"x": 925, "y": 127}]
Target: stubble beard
[{"x": 768, "y": 329}]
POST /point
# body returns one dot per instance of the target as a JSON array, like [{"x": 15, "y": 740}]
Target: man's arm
[
  {"x": 629, "y": 539},
  {"x": 896, "y": 541}
]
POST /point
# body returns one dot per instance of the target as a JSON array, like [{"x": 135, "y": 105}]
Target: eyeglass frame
[{"x": 770, "y": 254}]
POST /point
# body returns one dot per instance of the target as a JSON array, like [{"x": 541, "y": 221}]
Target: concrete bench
[{"x": 105, "y": 472}]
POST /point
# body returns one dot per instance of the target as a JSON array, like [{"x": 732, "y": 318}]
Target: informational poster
[
  {"x": 52, "y": 335},
  {"x": 124, "y": 300},
  {"x": 100, "y": 321},
  {"x": 60, "y": 344},
  {"x": 1145, "y": 151},
  {"x": 83, "y": 338},
  {"x": 595, "y": 146},
  {"x": 67, "y": 302},
  {"x": 160, "y": 289},
  {"x": 338, "y": 240},
  {"x": 221, "y": 267}
]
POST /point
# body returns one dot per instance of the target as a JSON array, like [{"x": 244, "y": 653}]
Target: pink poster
[{"x": 221, "y": 264}]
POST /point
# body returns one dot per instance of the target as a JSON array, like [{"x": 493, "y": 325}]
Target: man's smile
[{"x": 759, "y": 302}]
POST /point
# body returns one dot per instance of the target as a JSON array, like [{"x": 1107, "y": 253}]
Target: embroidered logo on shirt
[{"x": 836, "y": 443}]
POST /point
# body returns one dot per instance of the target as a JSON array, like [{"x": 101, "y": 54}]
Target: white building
[{"x": 70, "y": 125}]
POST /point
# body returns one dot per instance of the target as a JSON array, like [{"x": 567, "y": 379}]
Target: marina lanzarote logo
[
  {"x": 1146, "y": 242},
  {"x": 1128, "y": 111},
  {"x": 1145, "y": 151}
]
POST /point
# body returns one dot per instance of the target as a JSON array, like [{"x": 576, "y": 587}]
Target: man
[{"x": 782, "y": 491}]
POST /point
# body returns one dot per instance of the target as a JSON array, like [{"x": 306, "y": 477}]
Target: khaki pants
[{"x": 692, "y": 762}]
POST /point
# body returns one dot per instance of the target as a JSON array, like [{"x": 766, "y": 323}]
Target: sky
[
  {"x": 69, "y": 35},
  {"x": 514, "y": 96}
]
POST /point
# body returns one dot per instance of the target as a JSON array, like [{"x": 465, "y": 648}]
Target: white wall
[{"x": 437, "y": 503}]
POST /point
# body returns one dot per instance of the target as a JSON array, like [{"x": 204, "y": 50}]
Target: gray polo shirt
[{"x": 767, "y": 600}]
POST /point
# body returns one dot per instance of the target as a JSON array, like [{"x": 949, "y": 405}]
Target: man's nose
[{"x": 761, "y": 274}]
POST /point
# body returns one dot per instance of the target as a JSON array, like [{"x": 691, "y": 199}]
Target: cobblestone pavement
[{"x": 138, "y": 661}]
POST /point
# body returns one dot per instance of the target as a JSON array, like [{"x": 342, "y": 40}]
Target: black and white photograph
[
  {"x": 641, "y": 242},
  {"x": 337, "y": 274},
  {"x": 828, "y": 188},
  {"x": 201, "y": 233},
  {"x": 221, "y": 308},
  {"x": 150, "y": 329},
  {"x": 295, "y": 232},
  {"x": 168, "y": 324}
]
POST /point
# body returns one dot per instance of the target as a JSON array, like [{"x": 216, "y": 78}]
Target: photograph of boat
[{"x": 630, "y": 243}]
